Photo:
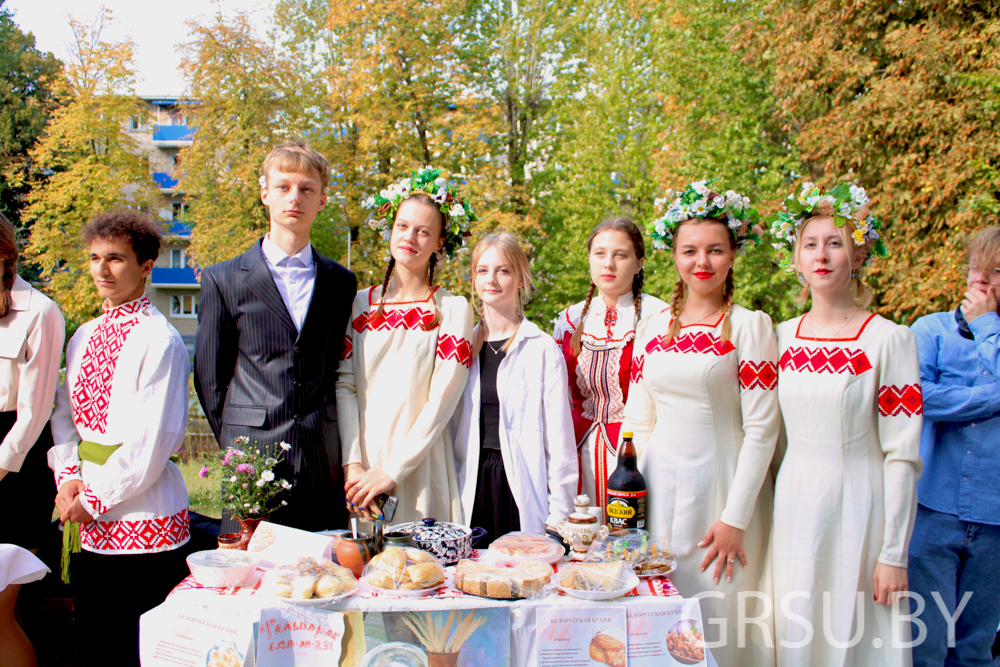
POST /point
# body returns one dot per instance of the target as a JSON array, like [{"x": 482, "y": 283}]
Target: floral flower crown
[
  {"x": 697, "y": 201},
  {"x": 456, "y": 209},
  {"x": 842, "y": 202}
]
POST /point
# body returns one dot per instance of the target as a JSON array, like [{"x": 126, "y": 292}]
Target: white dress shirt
[
  {"x": 31, "y": 341},
  {"x": 294, "y": 276}
]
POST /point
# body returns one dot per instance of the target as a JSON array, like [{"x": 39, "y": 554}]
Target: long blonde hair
[
  {"x": 679, "y": 297},
  {"x": 861, "y": 294},
  {"x": 509, "y": 248}
]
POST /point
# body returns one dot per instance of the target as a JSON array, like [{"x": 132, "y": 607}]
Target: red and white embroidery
[
  {"x": 348, "y": 350},
  {"x": 906, "y": 400},
  {"x": 92, "y": 389},
  {"x": 68, "y": 473},
  {"x": 93, "y": 502},
  {"x": 758, "y": 375},
  {"x": 599, "y": 380},
  {"x": 406, "y": 318},
  {"x": 141, "y": 535},
  {"x": 455, "y": 348},
  {"x": 825, "y": 360},
  {"x": 610, "y": 320},
  {"x": 635, "y": 372},
  {"x": 700, "y": 342}
]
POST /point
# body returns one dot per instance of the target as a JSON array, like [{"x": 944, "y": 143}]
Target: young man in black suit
[{"x": 271, "y": 326}]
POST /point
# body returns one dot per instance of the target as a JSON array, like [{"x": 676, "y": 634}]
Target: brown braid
[
  {"x": 574, "y": 343},
  {"x": 430, "y": 283},
  {"x": 385, "y": 285},
  {"x": 727, "y": 305},
  {"x": 637, "y": 294},
  {"x": 676, "y": 308}
]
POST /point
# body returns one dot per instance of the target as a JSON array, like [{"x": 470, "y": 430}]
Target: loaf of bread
[
  {"x": 404, "y": 569},
  {"x": 596, "y": 576},
  {"x": 502, "y": 583}
]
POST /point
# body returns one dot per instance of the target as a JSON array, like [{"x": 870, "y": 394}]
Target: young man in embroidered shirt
[
  {"x": 271, "y": 326},
  {"x": 955, "y": 549},
  {"x": 119, "y": 416}
]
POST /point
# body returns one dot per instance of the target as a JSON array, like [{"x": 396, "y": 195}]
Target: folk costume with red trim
[
  {"x": 400, "y": 378},
  {"x": 126, "y": 395},
  {"x": 845, "y": 496},
  {"x": 599, "y": 380},
  {"x": 705, "y": 419}
]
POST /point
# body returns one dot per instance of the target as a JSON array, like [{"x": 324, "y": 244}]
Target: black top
[{"x": 489, "y": 411}]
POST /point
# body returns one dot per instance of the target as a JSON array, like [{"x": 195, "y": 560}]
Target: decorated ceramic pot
[
  {"x": 449, "y": 542},
  {"x": 582, "y": 528}
]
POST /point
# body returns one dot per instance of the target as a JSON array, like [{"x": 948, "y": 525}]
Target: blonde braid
[
  {"x": 385, "y": 285},
  {"x": 574, "y": 343},
  {"x": 676, "y": 308},
  {"x": 727, "y": 304}
]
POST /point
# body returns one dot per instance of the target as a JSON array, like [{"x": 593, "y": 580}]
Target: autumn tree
[
  {"x": 94, "y": 164},
  {"x": 27, "y": 98},
  {"x": 899, "y": 97}
]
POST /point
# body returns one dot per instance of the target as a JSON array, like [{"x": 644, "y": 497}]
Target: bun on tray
[{"x": 307, "y": 579}]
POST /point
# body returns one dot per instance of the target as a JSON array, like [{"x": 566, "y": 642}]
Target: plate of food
[
  {"x": 649, "y": 556},
  {"x": 528, "y": 579},
  {"x": 597, "y": 581},
  {"x": 685, "y": 643},
  {"x": 607, "y": 649},
  {"x": 309, "y": 582},
  {"x": 517, "y": 547},
  {"x": 403, "y": 572}
]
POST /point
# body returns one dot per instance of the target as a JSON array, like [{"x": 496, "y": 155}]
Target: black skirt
[
  {"x": 30, "y": 493},
  {"x": 494, "y": 508}
]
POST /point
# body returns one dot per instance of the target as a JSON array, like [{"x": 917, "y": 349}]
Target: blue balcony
[
  {"x": 173, "y": 135},
  {"x": 164, "y": 180},
  {"x": 163, "y": 277},
  {"x": 176, "y": 228}
]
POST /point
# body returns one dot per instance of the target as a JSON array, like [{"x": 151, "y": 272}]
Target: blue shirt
[{"x": 960, "y": 442}]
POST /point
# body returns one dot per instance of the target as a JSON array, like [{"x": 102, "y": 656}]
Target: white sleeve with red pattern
[
  {"x": 900, "y": 419},
  {"x": 757, "y": 353},
  {"x": 64, "y": 456},
  {"x": 451, "y": 372}
]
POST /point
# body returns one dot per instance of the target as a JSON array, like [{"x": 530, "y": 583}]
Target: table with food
[{"x": 423, "y": 594}]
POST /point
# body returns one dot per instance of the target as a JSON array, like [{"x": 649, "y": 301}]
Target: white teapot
[{"x": 581, "y": 528}]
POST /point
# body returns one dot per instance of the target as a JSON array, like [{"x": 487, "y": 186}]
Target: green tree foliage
[
  {"x": 27, "y": 99},
  {"x": 902, "y": 98},
  {"x": 94, "y": 164}
]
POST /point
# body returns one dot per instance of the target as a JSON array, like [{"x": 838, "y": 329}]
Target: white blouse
[
  {"x": 126, "y": 384},
  {"x": 31, "y": 342}
]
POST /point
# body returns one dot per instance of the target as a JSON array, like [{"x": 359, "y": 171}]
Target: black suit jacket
[{"x": 257, "y": 376}]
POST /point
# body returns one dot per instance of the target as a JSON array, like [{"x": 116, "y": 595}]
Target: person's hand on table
[
  {"x": 361, "y": 491},
  {"x": 67, "y": 494},
  {"x": 889, "y": 581},
  {"x": 725, "y": 544},
  {"x": 75, "y": 513}
]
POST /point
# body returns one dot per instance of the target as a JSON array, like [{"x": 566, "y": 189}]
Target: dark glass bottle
[{"x": 626, "y": 490}]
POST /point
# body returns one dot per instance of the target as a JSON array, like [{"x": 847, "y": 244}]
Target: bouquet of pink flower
[{"x": 248, "y": 486}]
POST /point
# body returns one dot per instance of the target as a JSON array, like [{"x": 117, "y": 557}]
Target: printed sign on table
[
  {"x": 294, "y": 636},
  {"x": 586, "y": 637},
  {"x": 191, "y": 635},
  {"x": 452, "y": 637},
  {"x": 665, "y": 633}
]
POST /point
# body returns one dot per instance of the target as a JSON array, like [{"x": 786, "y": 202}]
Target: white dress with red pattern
[
  {"x": 126, "y": 384},
  {"x": 399, "y": 382},
  {"x": 705, "y": 421},
  {"x": 598, "y": 381},
  {"x": 846, "y": 495}
]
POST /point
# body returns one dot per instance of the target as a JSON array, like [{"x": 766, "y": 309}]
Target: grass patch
[{"x": 202, "y": 496}]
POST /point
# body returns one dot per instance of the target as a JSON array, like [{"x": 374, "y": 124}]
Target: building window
[
  {"x": 178, "y": 259},
  {"x": 134, "y": 124},
  {"x": 176, "y": 211},
  {"x": 184, "y": 305}
]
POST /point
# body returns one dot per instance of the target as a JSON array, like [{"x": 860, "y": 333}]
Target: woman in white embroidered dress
[
  {"x": 705, "y": 419},
  {"x": 406, "y": 360},
  {"x": 596, "y": 339},
  {"x": 513, "y": 431},
  {"x": 845, "y": 496}
]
